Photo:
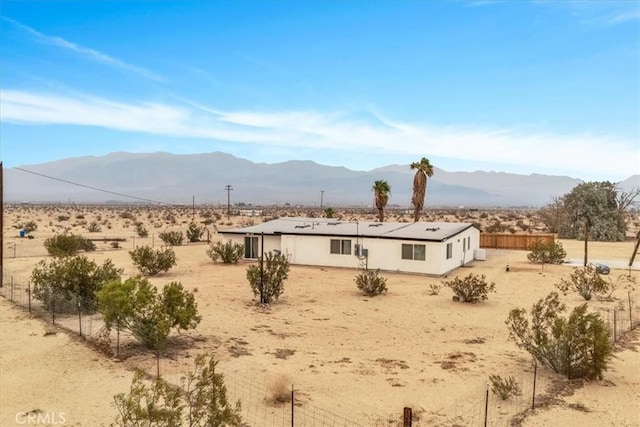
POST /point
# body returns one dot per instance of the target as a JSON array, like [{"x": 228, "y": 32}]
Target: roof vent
[
  {"x": 333, "y": 223},
  {"x": 303, "y": 226},
  {"x": 432, "y": 229},
  {"x": 378, "y": 224}
]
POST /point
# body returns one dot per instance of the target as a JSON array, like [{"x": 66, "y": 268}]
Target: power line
[{"x": 94, "y": 188}]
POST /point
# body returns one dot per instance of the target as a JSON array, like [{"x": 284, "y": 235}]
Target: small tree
[
  {"x": 542, "y": 252},
  {"x": 577, "y": 346},
  {"x": 62, "y": 245},
  {"x": 229, "y": 252},
  {"x": 150, "y": 315},
  {"x": 371, "y": 283},
  {"x": 470, "y": 289},
  {"x": 194, "y": 232},
  {"x": 64, "y": 283},
  {"x": 172, "y": 238},
  {"x": 115, "y": 302},
  {"x": 267, "y": 280},
  {"x": 585, "y": 281},
  {"x": 201, "y": 400},
  {"x": 151, "y": 262}
]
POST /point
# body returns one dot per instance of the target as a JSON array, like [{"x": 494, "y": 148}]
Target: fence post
[
  {"x": 292, "y": 404},
  {"x": 535, "y": 377},
  {"x": 630, "y": 314},
  {"x": 486, "y": 407},
  {"x": 29, "y": 294},
  {"x": 406, "y": 417}
]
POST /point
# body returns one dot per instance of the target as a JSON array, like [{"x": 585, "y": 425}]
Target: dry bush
[{"x": 279, "y": 390}]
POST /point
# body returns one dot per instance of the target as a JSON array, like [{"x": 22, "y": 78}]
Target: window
[
  {"x": 469, "y": 242},
  {"x": 449, "y": 250},
  {"x": 340, "y": 247},
  {"x": 414, "y": 252},
  {"x": 250, "y": 247}
]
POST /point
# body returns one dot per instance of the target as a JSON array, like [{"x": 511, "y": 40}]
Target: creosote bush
[
  {"x": 151, "y": 262},
  {"x": 577, "y": 346},
  {"x": 194, "y": 232},
  {"x": 229, "y": 252},
  {"x": 371, "y": 283},
  {"x": 172, "y": 238},
  {"x": 472, "y": 288},
  {"x": 200, "y": 400},
  {"x": 504, "y": 387},
  {"x": 268, "y": 283},
  {"x": 62, "y": 245},
  {"x": 542, "y": 252},
  {"x": 585, "y": 281}
]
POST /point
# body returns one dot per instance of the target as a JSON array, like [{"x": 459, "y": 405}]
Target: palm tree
[
  {"x": 381, "y": 190},
  {"x": 424, "y": 170}
]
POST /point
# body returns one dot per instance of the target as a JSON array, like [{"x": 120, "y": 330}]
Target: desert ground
[{"x": 352, "y": 360}]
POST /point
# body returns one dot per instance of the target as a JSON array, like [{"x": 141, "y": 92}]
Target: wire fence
[{"x": 275, "y": 402}]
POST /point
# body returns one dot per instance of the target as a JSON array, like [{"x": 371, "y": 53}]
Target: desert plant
[
  {"x": 194, "y": 232},
  {"x": 141, "y": 230},
  {"x": 267, "y": 280},
  {"x": 424, "y": 170},
  {"x": 329, "y": 212},
  {"x": 504, "y": 387},
  {"x": 151, "y": 262},
  {"x": 229, "y": 252},
  {"x": 434, "y": 289},
  {"x": 585, "y": 281},
  {"x": 470, "y": 289},
  {"x": 371, "y": 283},
  {"x": 62, "y": 245},
  {"x": 94, "y": 227},
  {"x": 200, "y": 400},
  {"x": 65, "y": 284},
  {"x": 279, "y": 390},
  {"x": 28, "y": 227},
  {"x": 172, "y": 238},
  {"x": 577, "y": 346},
  {"x": 548, "y": 252}
]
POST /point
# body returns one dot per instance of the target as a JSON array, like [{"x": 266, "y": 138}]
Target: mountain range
[{"x": 173, "y": 178}]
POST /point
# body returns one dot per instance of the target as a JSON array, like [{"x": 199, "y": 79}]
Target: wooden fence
[{"x": 512, "y": 241}]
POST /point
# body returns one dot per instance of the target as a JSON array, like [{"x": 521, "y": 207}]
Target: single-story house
[{"x": 433, "y": 248}]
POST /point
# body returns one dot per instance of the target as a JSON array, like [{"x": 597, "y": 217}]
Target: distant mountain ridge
[{"x": 174, "y": 178}]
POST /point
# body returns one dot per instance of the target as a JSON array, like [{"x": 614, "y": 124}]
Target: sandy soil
[{"x": 345, "y": 354}]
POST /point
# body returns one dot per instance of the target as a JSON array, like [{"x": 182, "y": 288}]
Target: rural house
[{"x": 433, "y": 248}]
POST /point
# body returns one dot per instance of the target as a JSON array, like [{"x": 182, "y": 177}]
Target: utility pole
[
  {"x": 321, "y": 199},
  {"x": 193, "y": 208},
  {"x": 228, "y": 188}
]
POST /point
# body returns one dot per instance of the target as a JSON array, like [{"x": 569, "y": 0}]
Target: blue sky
[{"x": 519, "y": 86}]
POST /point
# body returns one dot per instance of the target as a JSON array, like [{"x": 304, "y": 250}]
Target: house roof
[{"x": 424, "y": 231}]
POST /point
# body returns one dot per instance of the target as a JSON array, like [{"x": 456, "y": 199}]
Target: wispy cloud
[
  {"x": 597, "y": 13},
  {"x": 86, "y": 52},
  {"x": 334, "y": 131}
]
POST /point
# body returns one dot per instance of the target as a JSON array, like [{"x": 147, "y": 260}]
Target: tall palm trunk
[
  {"x": 419, "y": 191},
  {"x": 381, "y": 214}
]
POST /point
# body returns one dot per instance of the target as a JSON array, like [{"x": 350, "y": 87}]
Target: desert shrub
[
  {"x": 64, "y": 283},
  {"x": 434, "y": 289},
  {"x": 194, "y": 232},
  {"x": 148, "y": 314},
  {"x": 94, "y": 227},
  {"x": 115, "y": 245},
  {"x": 172, "y": 238},
  {"x": 329, "y": 213},
  {"x": 200, "y": 400},
  {"x": 151, "y": 262},
  {"x": 504, "y": 387},
  {"x": 279, "y": 390},
  {"x": 371, "y": 283},
  {"x": 267, "y": 282},
  {"x": 126, "y": 215},
  {"x": 577, "y": 346},
  {"x": 542, "y": 252},
  {"x": 470, "y": 289},
  {"x": 141, "y": 230},
  {"x": 585, "y": 281},
  {"x": 229, "y": 252},
  {"x": 62, "y": 245},
  {"x": 63, "y": 218},
  {"x": 28, "y": 227},
  {"x": 496, "y": 227}
]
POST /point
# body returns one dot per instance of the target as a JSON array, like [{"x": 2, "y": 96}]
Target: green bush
[
  {"x": 229, "y": 252},
  {"x": 542, "y": 252},
  {"x": 577, "y": 346},
  {"x": 268, "y": 283},
  {"x": 470, "y": 289},
  {"x": 172, "y": 238},
  {"x": 194, "y": 232},
  {"x": 585, "y": 281},
  {"x": 151, "y": 262},
  {"x": 200, "y": 400},
  {"x": 62, "y": 245},
  {"x": 371, "y": 283},
  {"x": 63, "y": 283}
]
